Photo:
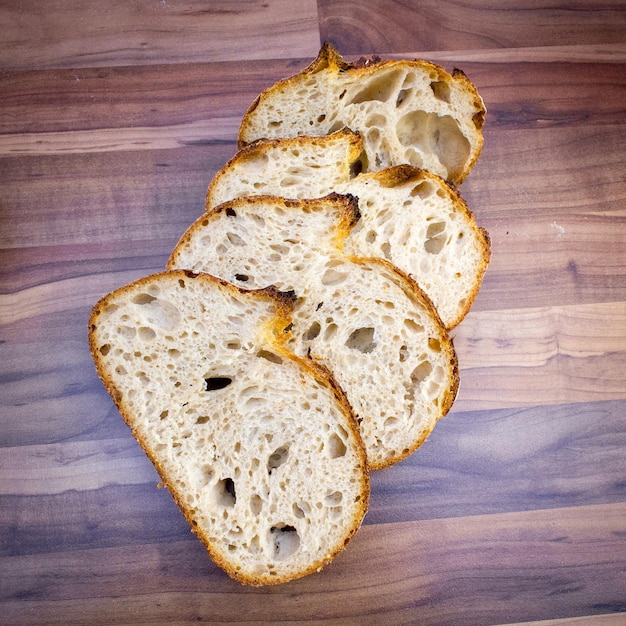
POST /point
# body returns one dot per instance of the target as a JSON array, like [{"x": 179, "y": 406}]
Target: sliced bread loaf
[
  {"x": 369, "y": 323},
  {"x": 409, "y": 111},
  {"x": 408, "y": 216},
  {"x": 259, "y": 448}
]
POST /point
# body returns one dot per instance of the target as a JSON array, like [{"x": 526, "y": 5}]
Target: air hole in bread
[
  {"x": 143, "y": 298},
  {"x": 376, "y": 120},
  {"x": 275, "y": 123},
  {"x": 450, "y": 145},
  {"x": 127, "y": 332},
  {"x": 413, "y": 158},
  {"x": 159, "y": 313},
  {"x": 242, "y": 278},
  {"x": 279, "y": 248},
  {"x": 289, "y": 181},
  {"x": 380, "y": 89},
  {"x": 441, "y": 90},
  {"x": 333, "y": 498},
  {"x": 203, "y": 419},
  {"x": 373, "y": 138},
  {"x": 285, "y": 540},
  {"x": 413, "y": 326},
  {"x": 225, "y": 492},
  {"x": 143, "y": 377},
  {"x": 336, "y": 446},
  {"x": 235, "y": 239},
  {"x": 298, "y": 511},
  {"x": 423, "y": 190},
  {"x": 256, "y": 504},
  {"x": 333, "y": 276},
  {"x": 312, "y": 332},
  {"x": 390, "y": 422},
  {"x": 421, "y": 372},
  {"x": 269, "y": 356},
  {"x": 321, "y": 118},
  {"x": 361, "y": 339},
  {"x": 277, "y": 458},
  {"x": 337, "y": 125},
  {"x": 384, "y": 216},
  {"x": 438, "y": 135},
  {"x": 105, "y": 349},
  {"x": 163, "y": 415},
  {"x": 371, "y": 236},
  {"x": 330, "y": 331},
  {"x": 434, "y": 344},
  {"x": 356, "y": 168},
  {"x": 435, "y": 238},
  {"x": 217, "y": 382},
  {"x": 401, "y": 97},
  {"x": 145, "y": 333}
]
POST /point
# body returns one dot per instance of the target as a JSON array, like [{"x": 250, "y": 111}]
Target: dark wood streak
[{"x": 383, "y": 27}]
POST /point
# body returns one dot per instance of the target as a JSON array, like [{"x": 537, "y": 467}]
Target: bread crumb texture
[
  {"x": 410, "y": 217},
  {"x": 409, "y": 111},
  {"x": 299, "y": 337},
  {"x": 260, "y": 451},
  {"x": 368, "y": 323}
]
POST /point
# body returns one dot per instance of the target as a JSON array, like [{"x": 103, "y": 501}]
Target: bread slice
[
  {"x": 408, "y": 216},
  {"x": 366, "y": 321},
  {"x": 259, "y": 448},
  {"x": 409, "y": 111}
]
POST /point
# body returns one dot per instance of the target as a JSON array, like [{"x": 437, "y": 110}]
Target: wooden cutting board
[{"x": 113, "y": 119}]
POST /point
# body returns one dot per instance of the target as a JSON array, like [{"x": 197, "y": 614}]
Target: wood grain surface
[{"x": 113, "y": 118}]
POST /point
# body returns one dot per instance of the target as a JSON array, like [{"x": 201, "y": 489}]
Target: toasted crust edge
[
  {"x": 347, "y": 204},
  {"x": 329, "y": 57},
  {"x": 356, "y": 151},
  {"x": 417, "y": 293}
]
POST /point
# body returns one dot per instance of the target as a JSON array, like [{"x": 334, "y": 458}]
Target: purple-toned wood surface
[{"x": 113, "y": 119}]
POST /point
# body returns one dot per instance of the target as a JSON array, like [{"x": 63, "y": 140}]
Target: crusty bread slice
[
  {"x": 409, "y": 111},
  {"x": 408, "y": 216},
  {"x": 259, "y": 448},
  {"x": 369, "y": 323}
]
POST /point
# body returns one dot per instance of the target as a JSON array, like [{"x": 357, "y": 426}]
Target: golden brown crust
[
  {"x": 401, "y": 174},
  {"x": 483, "y": 236},
  {"x": 284, "y": 306},
  {"x": 329, "y": 59},
  {"x": 347, "y": 204},
  {"x": 257, "y": 148},
  {"x": 410, "y": 286}
]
